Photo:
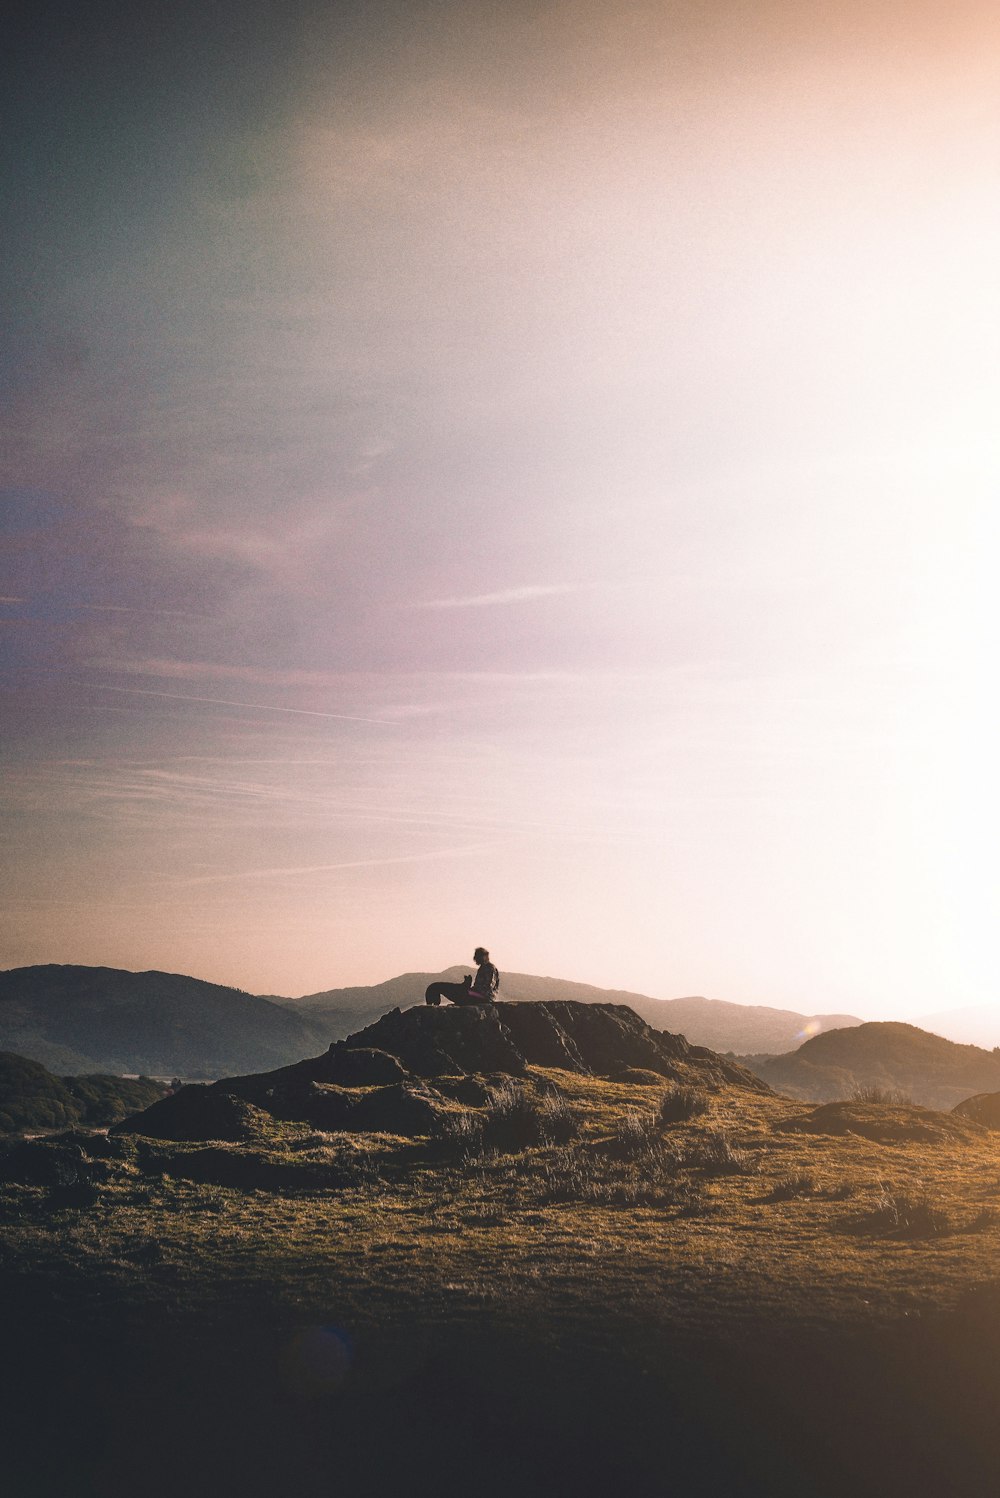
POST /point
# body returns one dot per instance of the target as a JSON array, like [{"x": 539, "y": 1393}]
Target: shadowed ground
[{"x": 651, "y": 1281}]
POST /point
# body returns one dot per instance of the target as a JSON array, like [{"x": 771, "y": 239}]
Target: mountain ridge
[
  {"x": 157, "y": 1023},
  {"x": 888, "y": 1055},
  {"x": 716, "y": 1023}
]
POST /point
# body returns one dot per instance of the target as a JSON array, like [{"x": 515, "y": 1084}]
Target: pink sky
[{"x": 519, "y": 477}]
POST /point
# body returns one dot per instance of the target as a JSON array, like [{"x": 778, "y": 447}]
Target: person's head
[{"x": 480, "y": 955}]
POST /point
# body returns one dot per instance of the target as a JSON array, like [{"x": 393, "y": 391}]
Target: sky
[{"x": 520, "y": 475}]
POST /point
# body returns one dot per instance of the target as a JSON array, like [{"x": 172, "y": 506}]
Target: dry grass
[{"x": 619, "y": 1212}]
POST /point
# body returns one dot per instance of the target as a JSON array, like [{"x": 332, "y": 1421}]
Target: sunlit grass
[{"x": 623, "y": 1209}]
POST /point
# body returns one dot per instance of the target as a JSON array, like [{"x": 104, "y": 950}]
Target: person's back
[{"x": 487, "y": 980}]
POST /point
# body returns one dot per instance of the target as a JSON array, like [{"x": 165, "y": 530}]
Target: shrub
[
  {"x": 560, "y": 1122},
  {"x": 679, "y": 1104},
  {"x": 714, "y": 1155},
  {"x": 460, "y": 1132},
  {"x": 636, "y": 1135},
  {"x": 895, "y": 1214},
  {"x": 511, "y": 1120},
  {"x": 586, "y": 1176},
  {"x": 785, "y": 1190},
  {"x": 870, "y": 1093}
]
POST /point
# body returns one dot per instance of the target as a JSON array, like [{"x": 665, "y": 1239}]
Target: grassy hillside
[
  {"x": 741, "y": 1028},
  {"x": 32, "y": 1098},
  {"x": 91, "y": 1019},
  {"x": 558, "y": 1283},
  {"x": 894, "y": 1057}
]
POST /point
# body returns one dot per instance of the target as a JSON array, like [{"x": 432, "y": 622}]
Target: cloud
[
  {"x": 261, "y": 707},
  {"x": 217, "y": 671},
  {"x": 524, "y": 594},
  {"x": 354, "y": 863}
]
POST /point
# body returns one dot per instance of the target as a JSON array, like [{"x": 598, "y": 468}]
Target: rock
[
  {"x": 639, "y": 1076},
  {"x": 885, "y": 1123},
  {"x": 45, "y": 1162},
  {"x": 445, "y": 1042},
  {"x": 377, "y": 1080},
  {"x": 983, "y": 1109},
  {"x": 197, "y": 1112},
  {"x": 362, "y": 1066}
]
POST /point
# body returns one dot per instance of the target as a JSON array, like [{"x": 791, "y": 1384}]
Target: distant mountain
[
  {"x": 926, "y": 1068},
  {"x": 978, "y": 1024},
  {"x": 101, "y": 1019},
  {"x": 32, "y": 1098},
  {"x": 742, "y": 1028}
]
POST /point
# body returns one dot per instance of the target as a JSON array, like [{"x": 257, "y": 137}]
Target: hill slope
[
  {"x": 99, "y": 1019},
  {"x": 381, "y": 1079},
  {"x": 932, "y": 1071},
  {"x": 32, "y": 1098},
  {"x": 743, "y": 1028}
]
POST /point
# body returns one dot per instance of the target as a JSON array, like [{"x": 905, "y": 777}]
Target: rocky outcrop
[
  {"x": 593, "y": 1039},
  {"x": 983, "y": 1109},
  {"x": 199, "y": 1112},
  {"x": 402, "y": 1072},
  {"x": 884, "y": 1123}
]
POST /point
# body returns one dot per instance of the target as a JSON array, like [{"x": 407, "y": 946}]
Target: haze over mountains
[
  {"x": 928, "y": 1069},
  {"x": 77, "y": 1019},
  {"x": 102, "y": 1019},
  {"x": 745, "y": 1028}
]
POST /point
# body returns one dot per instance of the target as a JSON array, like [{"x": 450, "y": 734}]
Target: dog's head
[{"x": 467, "y": 980}]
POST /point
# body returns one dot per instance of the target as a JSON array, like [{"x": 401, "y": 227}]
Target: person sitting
[{"x": 486, "y": 983}]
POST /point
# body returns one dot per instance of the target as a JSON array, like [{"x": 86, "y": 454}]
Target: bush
[
  {"x": 460, "y": 1132},
  {"x": 636, "y": 1135},
  {"x": 679, "y": 1104},
  {"x": 582, "y": 1175},
  {"x": 896, "y": 1214},
  {"x": 870, "y": 1093},
  {"x": 787, "y": 1189},
  {"x": 511, "y": 1120},
  {"x": 714, "y": 1155},
  {"x": 560, "y": 1122}
]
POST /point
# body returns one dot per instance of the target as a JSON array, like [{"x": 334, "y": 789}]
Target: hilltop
[
  {"x": 741, "y": 1028},
  {"x": 542, "y": 1249},
  {"x": 88, "y": 1019},
  {"x": 100, "y": 1019},
  {"x": 926, "y": 1068},
  {"x": 397, "y": 1075},
  {"x": 33, "y": 1098}
]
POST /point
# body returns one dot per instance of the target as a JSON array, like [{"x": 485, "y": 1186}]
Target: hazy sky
[{"x": 521, "y": 474}]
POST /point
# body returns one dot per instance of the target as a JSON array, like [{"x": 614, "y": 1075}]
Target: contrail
[
  {"x": 261, "y": 707},
  {"x": 354, "y": 863}
]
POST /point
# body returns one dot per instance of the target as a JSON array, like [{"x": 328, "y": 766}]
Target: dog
[{"x": 458, "y": 993}]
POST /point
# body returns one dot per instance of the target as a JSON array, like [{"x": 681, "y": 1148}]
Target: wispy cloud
[
  {"x": 353, "y": 863},
  {"x": 217, "y": 671},
  {"x": 119, "y": 608},
  {"x": 524, "y": 594},
  {"x": 261, "y": 707}
]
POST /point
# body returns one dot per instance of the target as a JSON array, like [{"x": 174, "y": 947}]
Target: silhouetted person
[
  {"x": 487, "y": 980},
  {"x": 483, "y": 990}
]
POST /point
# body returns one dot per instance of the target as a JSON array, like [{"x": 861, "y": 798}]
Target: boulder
[
  {"x": 983, "y": 1108},
  {"x": 885, "y": 1123},
  {"x": 197, "y": 1112}
]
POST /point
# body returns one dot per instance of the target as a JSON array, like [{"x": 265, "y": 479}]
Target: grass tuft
[
  {"x": 715, "y": 1155},
  {"x": 897, "y": 1214},
  {"x": 679, "y": 1104},
  {"x": 803, "y": 1183},
  {"x": 870, "y": 1093}
]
